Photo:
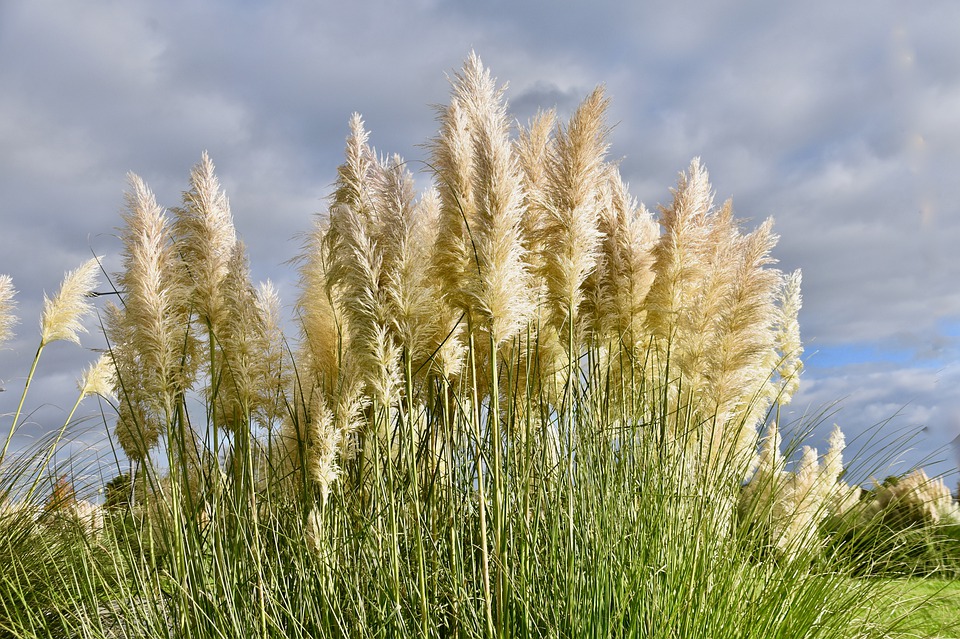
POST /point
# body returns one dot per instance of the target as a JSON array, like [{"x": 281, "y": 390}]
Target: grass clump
[{"x": 519, "y": 405}]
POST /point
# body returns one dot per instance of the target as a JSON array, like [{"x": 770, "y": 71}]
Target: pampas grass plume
[
  {"x": 205, "y": 234},
  {"x": 576, "y": 175},
  {"x": 322, "y": 330},
  {"x": 498, "y": 285},
  {"x": 154, "y": 317},
  {"x": 7, "y": 304},
  {"x": 64, "y": 313},
  {"x": 788, "y": 337},
  {"x": 98, "y": 378},
  {"x": 273, "y": 364}
]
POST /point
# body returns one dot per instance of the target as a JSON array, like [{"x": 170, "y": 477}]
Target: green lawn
[{"x": 929, "y": 607}]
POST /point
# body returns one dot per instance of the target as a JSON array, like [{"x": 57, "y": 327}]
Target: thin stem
[
  {"x": 53, "y": 446},
  {"x": 481, "y": 490},
  {"x": 23, "y": 397},
  {"x": 498, "y": 519}
]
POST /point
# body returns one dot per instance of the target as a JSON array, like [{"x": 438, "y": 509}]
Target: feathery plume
[
  {"x": 833, "y": 460},
  {"x": 323, "y": 444},
  {"x": 205, "y": 236},
  {"x": 736, "y": 363},
  {"x": 839, "y": 496},
  {"x": 914, "y": 499},
  {"x": 618, "y": 287},
  {"x": 789, "y": 348},
  {"x": 534, "y": 146},
  {"x": 479, "y": 256},
  {"x": 311, "y": 436},
  {"x": 155, "y": 331},
  {"x": 64, "y": 313},
  {"x": 447, "y": 342},
  {"x": 98, "y": 378},
  {"x": 678, "y": 255},
  {"x": 764, "y": 487},
  {"x": 569, "y": 235},
  {"x": 499, "y": 291},
  {"x": 681, "y": 266},
  {"x": 137, "y": 428},
  {"x": 7, "y": 304},
  {"x": 322, "y": 329},
  {"x": 800, "y": 507},
  {"x": 697, "y": 327},
  {"x": 405, "y": 237},
  {"x": 453, "y": 158},
  {"x": 354, "y": 176},
  {"x": 356, "y": 271},
  {"x": 270, "y": 401},
  {"x": 151, "y": 347},
  {"x": 242, "y": 344}
]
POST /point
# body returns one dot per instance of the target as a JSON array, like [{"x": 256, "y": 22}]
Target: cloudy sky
[{"x": 841, "y": 120}]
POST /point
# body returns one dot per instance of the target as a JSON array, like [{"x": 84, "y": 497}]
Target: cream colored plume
[
  {"x": 569, "y": 237},
  {"x": 311, "y": 435},
  {"x": 679, "y": 255},
  {"x": 617, "y": 289},
  {"x": 687, "y": 288},
  {"x": 487, "y": 261},
  {"x": 736, "y": 370},
  {"x": 355, "y": 176},
  {"x": 7, "y": 304},
  {"x": 205, "y": 237},
  {"x": 356, "y": 273},
  {"x": 154, "y": 337},
  {"x": 789, "y": 348},
  {"x": 271, "y": 401},
  {"x": 63, "y": 314},
  {"x": 799, "y": 507},
  {"x": 405, "y": 240},
  {"x": 99, "y": 378},
  {"x": 322, "y": 330},
  {"x": 788, "y": 508},
  {"x": 242, "y": 343},
  {"x": 915, "y": 499},
  {"x": 764, "y": 487},
  {"x": 534, "y": 146},
  {"x": 447, "y": 344},
  {"x": 452, "y": 159}
]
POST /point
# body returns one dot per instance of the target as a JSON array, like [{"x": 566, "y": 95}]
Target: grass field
[{"x": 926, "y": 607}]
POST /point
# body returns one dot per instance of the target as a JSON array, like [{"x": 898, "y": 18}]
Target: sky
[{"x": 839, "y": 120}]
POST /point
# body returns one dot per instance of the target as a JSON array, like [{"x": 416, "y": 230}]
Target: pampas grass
[
  {"x": 205, "y": 237},
  {"x": 518, "y": 403},
  {"x": 152, "y": 347},
  {"x": 63, "y": 314}
]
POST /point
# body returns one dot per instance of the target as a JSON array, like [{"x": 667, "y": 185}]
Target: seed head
[
  {"x": 7, "y": 304},
  {"x": 64, "y": 313},
  {"x": 98, "y": 378}
]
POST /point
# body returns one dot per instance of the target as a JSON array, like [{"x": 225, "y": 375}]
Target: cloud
[{"x": 895, "y": 416}]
